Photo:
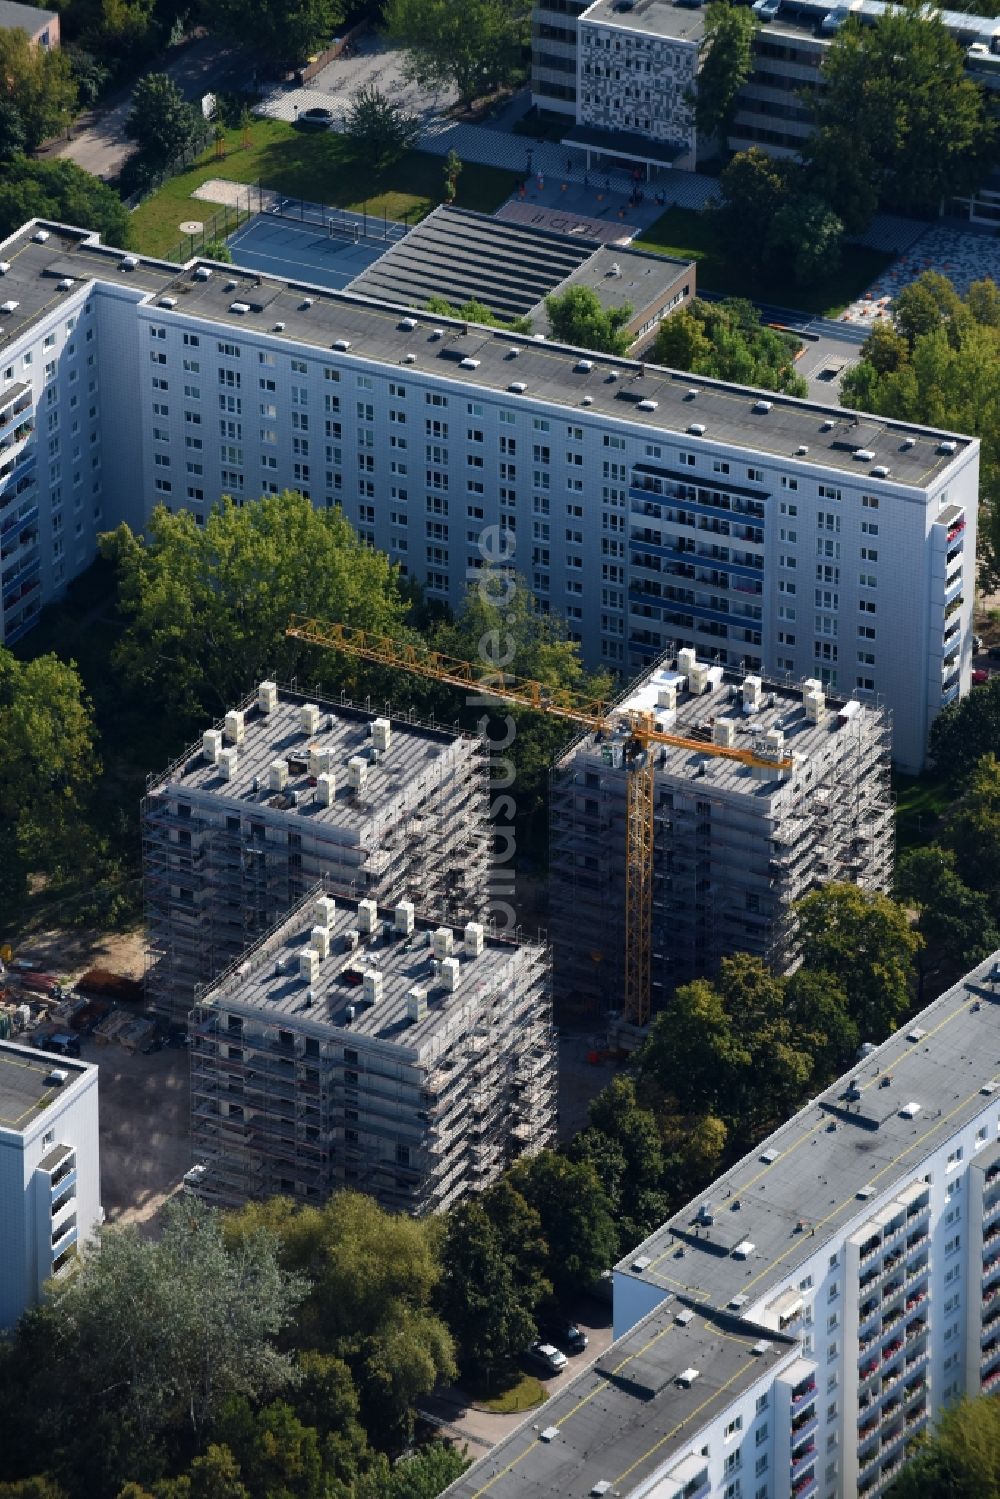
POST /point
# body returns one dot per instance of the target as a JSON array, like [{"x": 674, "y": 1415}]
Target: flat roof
[
  {"x": 24, "y": 17},
  {"x": 854, "y": 1135},
  {"x": 622, "y": 278},
  {"x": 254, "y": 986},
  {"x": 805, "y": 433},
  {"x": 626, "y": 1417},
  {"x": 684, "y": 23},
  {"x": 677, "y": 21},
  {"x": 24, "y": 1091},
  {"x": 782, "y": 707},
  {"x": 344, "y": 731}
]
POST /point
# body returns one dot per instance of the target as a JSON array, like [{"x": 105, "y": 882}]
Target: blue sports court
[{"x": 307, "y": 242}]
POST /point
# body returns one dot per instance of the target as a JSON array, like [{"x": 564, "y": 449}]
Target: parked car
[
  {"x": 564, "y": 1334},
  {"x": 547, "y": 1359}
]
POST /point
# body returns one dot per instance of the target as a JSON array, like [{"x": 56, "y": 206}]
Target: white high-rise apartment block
[
  {"x": 50, "y": 1176},
  {"x": 794, "y": 1329},
  {"x": 648, "y": 508}
]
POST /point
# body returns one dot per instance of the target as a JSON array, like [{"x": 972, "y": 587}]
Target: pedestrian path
[
  {"x": 957, "y": 254},
  {"x": 888, "y": 232}
]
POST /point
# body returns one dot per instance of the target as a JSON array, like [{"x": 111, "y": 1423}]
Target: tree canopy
[
  {"x": 161, "y": 122},
  {"x": 207, "y": 606},
  {"x": 59, "y": 189},
  {"x": 898, "y": 122},
  {"x": 473, "y": 46},
  {"x": 965, "y": 731},
  {"x": 378, "y": 128},
  {"x": 37, "y": 84},
  {"x": 862, "y": 939},
  {"x": 726, "y": 64},
  {"x": 960, "y": 1459},
  {"x": 727, "y": 341},
  {"x": 770, "y": 213},
  {"x": 285, "y": 32},
  {"x": 576, "y": 317}
]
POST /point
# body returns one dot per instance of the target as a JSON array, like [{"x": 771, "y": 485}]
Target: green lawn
[
  {"x": 691, "y": 235},
  {"x": 921, "y": 801},
  {"x": 523, "y": 1395},
  {"x": 317, "y": 166}
]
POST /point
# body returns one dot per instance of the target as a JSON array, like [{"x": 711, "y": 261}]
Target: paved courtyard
[
  {"x": 369, "y": 61},
  {"x": 961, "y": 255}
]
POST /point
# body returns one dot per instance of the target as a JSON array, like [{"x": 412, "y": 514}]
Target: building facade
[
  {"x": 360, "y": 1046},
  {"x": 283, "y": 792},
  {"x": 793, "y": 1330},
  {"x": 734, "y": 846},
  {"x": 40, "y": 26},
  {"x": 624, "y": 72},
  {"x": 50, "y": 1175},
  {"x": 772, "y": 535}
]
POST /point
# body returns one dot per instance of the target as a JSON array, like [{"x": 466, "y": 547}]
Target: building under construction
[
  {"x": 285, "y": 791},
  {"x": 734, "y": 845},
  {"x": 359, "y": 1045}
]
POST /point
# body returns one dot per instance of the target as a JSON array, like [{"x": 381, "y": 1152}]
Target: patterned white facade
[{"x": 635, "y": 80}]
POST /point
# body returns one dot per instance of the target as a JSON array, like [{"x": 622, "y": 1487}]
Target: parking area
[
  {"x": 325, "y": 247},
  {"x": 369, "y": 61},
  {"x": 145, "y": 1144}
]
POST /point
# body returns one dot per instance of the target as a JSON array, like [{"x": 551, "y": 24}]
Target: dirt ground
[
  {"x": 67, "y": 954},
  {"x": 145, "y": 1145}
]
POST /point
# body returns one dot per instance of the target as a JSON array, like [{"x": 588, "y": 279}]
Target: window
[
  {"x": 762, "y": 1433},
  {"x": 789, "y": 483},
  {"x": 192, "y": 341},
  {"x": 229, "y": 351}
]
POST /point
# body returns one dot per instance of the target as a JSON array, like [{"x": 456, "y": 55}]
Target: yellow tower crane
[{"x": 596, "y": 715}]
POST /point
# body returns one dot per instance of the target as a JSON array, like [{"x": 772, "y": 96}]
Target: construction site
[
  {"x": 285, "y": 791},
  {"x": 360, "y": 1045},
  {"x": 757, "y": 794}
]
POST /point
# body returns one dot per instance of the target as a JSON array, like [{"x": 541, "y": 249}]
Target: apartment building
[
  {"x": 772, "y": 535},
  {"x": 358, "y": 1045},
  {"x": 623, "y": 72},
  {"x": 285, "y": 791},
  {"x": 793, "y": 1330},
  {"x": 734, "y": 845},
  {"x": 40, "y": 26},
  {"x": 50, "y": 1175}
]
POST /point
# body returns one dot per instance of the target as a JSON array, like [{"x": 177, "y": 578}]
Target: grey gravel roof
[{"x": 23, "y": 1089}]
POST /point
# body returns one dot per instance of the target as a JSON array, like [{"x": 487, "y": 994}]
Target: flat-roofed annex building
[
  {"x": 358, "y": 1045},
  {"x": 284, "y": 791},
  {"x": 852, "y": 1263},
  {"x": 734, "y": 847},
  {"x": 50, "y": 1175},
  {"x": 651, "y": 511}
]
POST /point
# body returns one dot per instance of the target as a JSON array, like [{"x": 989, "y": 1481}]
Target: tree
[
  {"x": 808, "y": 232},
  {"x": 624, "y": 1145},
  {"x": 148, "y": 1340},
  {"x": 378, "y": 128},
  {"x": 966, "y": 730},
  {"x": 753, "y": 188},
  {"x": 479, "y": 1295},
  {"x": 974, "y": 834},
  {"x": 275, "y": 1453},
  {"x": 960, "y": 1459},
  {"x": 48, "y": 765},
  {"x": 477, "y": 312},
  {"x": 161, "y": 121},
  {"x": 38, "y": 83},
  {"x": 727, "y": 341},
  {"x": 13, "y": 137},
  {"x": 452, "y": 171},
  {"x": 208, "y": 605},
  {"x": 473, "y": 46},
  {"x": 897, "y": 109},
  {"x": 863, "y": 940},
  {"x": 726, "y": 64},
  {"x": 576, "y": 317},
  {"x": 955, "y": 921},
  {"x": 575, "y": 1215},
  {"x": 285, "y": 32},
  {"x": 820, "y": 1016},
  {"x": 32, "y": 1488},
  {"x": 59, "y": 189}
]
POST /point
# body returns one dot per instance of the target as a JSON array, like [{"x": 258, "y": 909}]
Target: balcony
[
  {"x": 802, "y": 1454},
  {"x": 804, "y": 1485},
  {"x": 804, "y": 1425},
  {"x": 802, "y": 1392}
]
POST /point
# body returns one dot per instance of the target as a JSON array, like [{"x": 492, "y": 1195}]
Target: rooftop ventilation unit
[
  {"x": 305, "y": 304},
  {"x": 518, "y": 387},
  {"x": 357, "y": 773},
  {"x": 324, "y": 910},
  {"x": 769, "y": 1157},
  {"x": 990, "y": 1087},
  {"x": 278, "y": 328},
  {"x": 40, "y": 236},
  {"x": 683, "y": 1318},
  {"x": 828, "y": 425},
  {"x": 738, "y": 1301},
  {"x": 407, "y": 324},
  {"x": 381, "y": 734},
  {"x": 9, "y": 306},
  {"x": 309, "y": 965},
  {"x": 410, "y": 358},
  {"x": 762, "y": 407},
  {"x": 235, "y": 726},
  {"x": 128, "y": 263},
  {"x": 693, "y": 393},
  {"x": 473, "y": 938},
  {"x": 613, "y": 374},
  {"x": 168, "y": 302},
  {"x": 615, "y": 270},
  {"x": 343, "y": 344},
  {"x": 802, "y": 450},
  {"x": 907, "y": 443},
  {"x": 319, "y": 940},
  {"x": 416, "y": 1003},
  {"x": 436, "y": 333},
  {"x": 442, "y": 942},
  {"x": 468, "y": 364},
  {"x": 743, "y": 1250},
  {"x": 947, "y": 446},
  {"x": 227, "y": 762},
  {"x": 640, "y": 1263},
  {"x": 450, "y": 974},
  {"x": 240, "y": 308},
  {"x": 761, "y": 1347},
  {"x": 203, "y": 273},
  {"x": 866, "y": 1192},
  {"x": 917, "y": 1034},
  {"x": 402, "y": 918},
  {"x": 367, "y": 916},
  {"x": 880, "y": 471},
  {"x": 910, "y": 1110},
  {"x": 211, "y": 745},
  {"x": 584, "y": 366},
  {"x": 309, "y": 718},
  {"x": 66, "y": 283},
  {"x": 587, "y": 401},
  {"x": 373, "y": 986},
  {"x": 549, "y": 1434},
  {"x": 697, "y": 429},
  {"x": 267, "y": 696},
  {"x": 601, "y": 1487},
  {"x": 687, "y": 1377},
  {"x": 326, "y": 789},
  {"x": 57, "y": 1076},
  {"x": 862, "y": 455},
  {"x": 647, "y": 406},
  {"x": 277, "y": 775},
  {"x": 4, "y": 267}
]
